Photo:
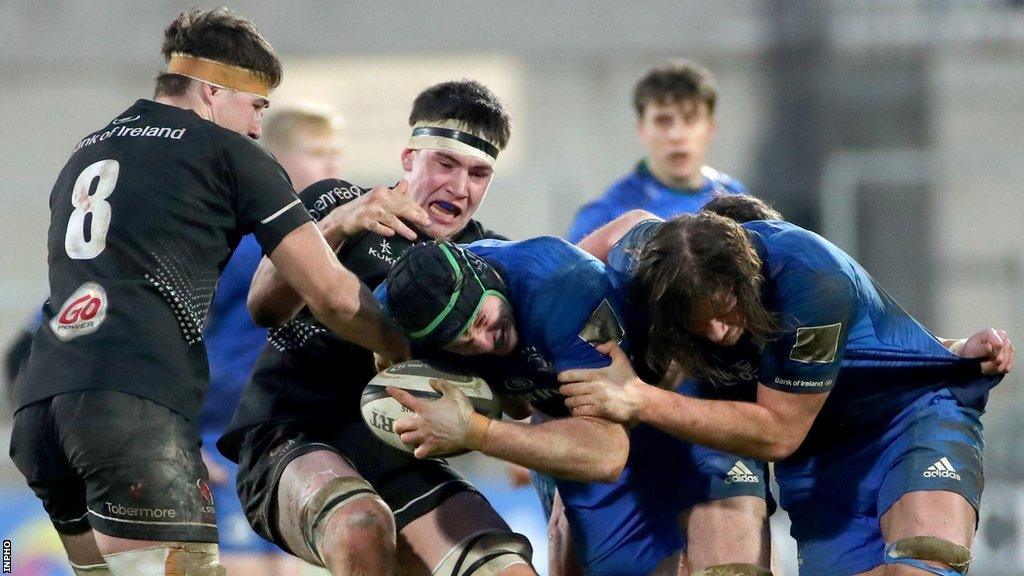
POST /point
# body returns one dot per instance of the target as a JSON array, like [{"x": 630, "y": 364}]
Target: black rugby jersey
[
  {"x": 306, "y": 372},
  {"x": 143, "y": 217}
]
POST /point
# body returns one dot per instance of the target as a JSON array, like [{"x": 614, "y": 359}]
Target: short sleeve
[
  {"x": 265, "y": 202},
  {"x": 624, "y": 254},
  {"x": 579, "y": 310},
  {"x": 815, "y": 311}
]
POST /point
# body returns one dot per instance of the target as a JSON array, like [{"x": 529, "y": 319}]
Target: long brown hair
[{"x": 692, "y": 261}]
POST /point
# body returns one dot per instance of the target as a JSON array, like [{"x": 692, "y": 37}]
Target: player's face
[
  {"x": 238, "y": 111},
  {"x": 719, "y": 321},
  {"x": 314, "y": 156},
  {"x": 677, "y": 136},
  {"x": 448, "y": 185},
  {"x": 493, "y": 331}
]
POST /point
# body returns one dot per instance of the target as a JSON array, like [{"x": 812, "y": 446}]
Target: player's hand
[
  {"x": 218, "y": 474},
  {"x": 612, "y": 392},
  {"x": 995, "y": 349},
  {"x": 439, "y": 426},
  {"x": 381, "y": 211}
]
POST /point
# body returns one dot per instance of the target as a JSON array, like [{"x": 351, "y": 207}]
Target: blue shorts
[
  {"x": 236, "y": 536},
  {"x": 837, "y": 495},
  {"x": 628, "y": 527}
]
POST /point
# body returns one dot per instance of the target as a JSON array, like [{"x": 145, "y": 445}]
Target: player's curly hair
[
  {"x": 741, "y": 208},
  {"x": 675, "y": 81},
  {"x": 218, "y": 34},
  {"x": 692, "y": 261},
  {"x": 467, "y": 101}
]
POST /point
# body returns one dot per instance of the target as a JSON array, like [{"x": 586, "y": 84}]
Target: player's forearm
[
  {"x": 582, "y": 449},
  {"x": 271, "y": 301},
  {"x": 354, "y": 314},
  {"x": 741, "y": 428}
]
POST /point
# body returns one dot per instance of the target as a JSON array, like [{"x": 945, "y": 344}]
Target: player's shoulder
[
  {"x": 532, "y": 260},
  {"x": 723, "y": 183},
  {"x": 628, "y": 186},
  {"x": 325, "y": 195},
  {"x": 795, "y": 252}
]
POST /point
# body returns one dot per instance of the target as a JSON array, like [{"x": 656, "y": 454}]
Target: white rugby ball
[{"x": 381, "y": 411}]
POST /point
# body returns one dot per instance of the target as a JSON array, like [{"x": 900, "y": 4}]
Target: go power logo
[{"x": 82, "y": 313}]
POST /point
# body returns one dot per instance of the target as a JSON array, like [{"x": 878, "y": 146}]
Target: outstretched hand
[
  {"x": 613, "y": 392},
  {"x": 382, "y": 210},
  {"x": 437, "y": 427},
  {"x": 995, "y": 349}
]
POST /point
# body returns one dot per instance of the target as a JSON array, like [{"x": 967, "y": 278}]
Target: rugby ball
[{"x": 381, "y": 411}]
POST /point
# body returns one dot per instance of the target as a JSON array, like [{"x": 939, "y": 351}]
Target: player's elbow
[
  {"x": 780, "y": 448},
  {"x": 261, "y": 313},
  {"x": 338, "y": 301},
  {"x": 613, "y": 468},
  {"x": 613, "y": 458}
]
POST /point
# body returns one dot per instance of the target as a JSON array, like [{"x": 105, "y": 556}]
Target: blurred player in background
[
  {"x": 312, "y": 477},
  {"x": 675, "y": 108},
  {"x": 304, "y": 138},
  {"x": 144, "y": 215},
  {"x": 884, "y": 477}
]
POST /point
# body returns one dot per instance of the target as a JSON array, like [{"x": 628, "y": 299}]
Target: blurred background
[{"x": 893, "y": 127}]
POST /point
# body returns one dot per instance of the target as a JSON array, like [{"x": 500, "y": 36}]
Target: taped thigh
[
  {"x": 90, "y": 569},
  {"x": 316, "y": 508},
  {"x": 733, "y": 570},
  {"x": 179, "y": 559},
  {"x": 914, "y": 551},
  {"x": 485, "y": 554}
]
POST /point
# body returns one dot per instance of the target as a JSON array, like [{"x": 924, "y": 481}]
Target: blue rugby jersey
[
  {"x": 641, "y": 190},
  {"x": 840, "y": 332},
  {"x": 563, "y": 303}
]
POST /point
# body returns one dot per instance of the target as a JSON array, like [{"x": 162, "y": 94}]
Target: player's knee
[
  {"x": 493, "y": 553},
  {"x": 178, "y": 559},
  {"x": 365, "y": 524},
  {"x": 923, "y": 552},
  {"x": 90, "y": 569},
  {"x": 346, "y": 514},
  {"x": 738, "y": 569}
]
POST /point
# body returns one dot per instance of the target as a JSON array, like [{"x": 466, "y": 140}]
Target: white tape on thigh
[
  {"x": 733, "y": 570},
  {"x": 178, "y": 559},
  {"x": 315, "y": 509},
  {"x": 90, "y": 569},
  {"x": 485, "y": 553}
]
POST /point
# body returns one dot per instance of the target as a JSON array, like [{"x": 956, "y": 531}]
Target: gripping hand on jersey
[
  {"x": 992, "y": 346},
  {"x": 380, "y": 211},
  {"x": 614, "y": 392},
  {"x": 438, "y": 427}
]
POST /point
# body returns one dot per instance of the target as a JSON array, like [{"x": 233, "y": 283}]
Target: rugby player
[
  {"x": 874, "y": 422},
  {"x": 304, "y": 138},
  {"x": 675, "y": 109},
  {"x": 516, "y": 313},
  {"x": 312, "y": 477},
  {"x": 144, "y": 215}
]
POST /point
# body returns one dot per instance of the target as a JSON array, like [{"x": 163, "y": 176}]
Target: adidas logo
[
  {"x": 941, "y": 469},
  {"x": 740, "y": 473}
]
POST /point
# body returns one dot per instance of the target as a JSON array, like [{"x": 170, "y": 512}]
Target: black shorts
[
  {"x": 120, "y": 464},
  {"x": 409, "y": 486}
]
